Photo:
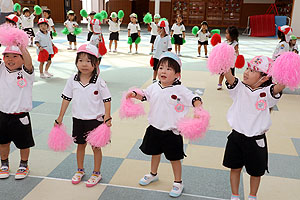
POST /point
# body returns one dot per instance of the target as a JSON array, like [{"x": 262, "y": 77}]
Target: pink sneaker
[{"x": 77, "y": 177}]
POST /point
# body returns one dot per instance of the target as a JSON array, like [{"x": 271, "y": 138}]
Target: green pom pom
[
  {"x": 138, "y": 40},
  {"x": 65, "y": 31},
  {"x": 17, "y": 7},
  {"x": 183, "y": 41},
  {"x": 129, "y": 40},
  {"x": 104, "y": 14},
  {"x": 120, "y": 14},
  {"x": 215, "y": 31},
  {"x": 54, "y": 34},
  {"x": 147, "y": 18},
  {"x": 195, "y": 30},
  {"x": 173, "y": 40},
  {"x": 83, "y": 13},
  {"x": 77, "y": 31},
  {"x": 37, "y": 9},
  {"x": 98, "y": 16}
]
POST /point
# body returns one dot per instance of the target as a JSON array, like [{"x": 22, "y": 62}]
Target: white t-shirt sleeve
[
  {"x": 272, "y": 99},
  {"x": 148, "y": 92},
  {"x": 68, "y": 90},
  {"x": 66, "y": 22},
  {"x": 234, "y": 88},
  {"x": 138, "y": 27},
  {"x": 50, "y": 22},
  {"x": 37, "y": 37},
  {"x": 104, "y": 91},
  {"x": 188, "y": 97},
  {"x": 169, "y": 43},
  {"x": 173, "y": 27},
  {"x": 183, "y": 28},
  {"x": 128, "y": 27}
]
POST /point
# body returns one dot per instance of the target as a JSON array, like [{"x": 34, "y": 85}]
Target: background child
[
  {"x": 16, "y": 82},
  {"x": 114, "y": 28},
  {"x": 284, "y": 33},
  {"x": 27, "y": 23},
  {"x": 134, "y": 31},
  {"x": 154, "y": 33},
  {"x": 91, "y": 107},
  {"x": 293, "y": 44},
  {"x": 162, "y": 44},
  {"x": 43, "y": 41},
  {"x": 71, "y": 24},
  {"x": 47, "y": 15},
  {"x": 232, "y": 38},
  {"x": 89, "y": 19},
  {"x": 203, "y": 35},
  {"x": 162, "y": 135},
  {"x": 178, "y": 32},
  {"x": 12, "y": 19},
  {"x": 246, "y": 145}
]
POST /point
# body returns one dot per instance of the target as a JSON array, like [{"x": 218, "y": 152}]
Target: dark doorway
[{"x": 140, "y": 7}]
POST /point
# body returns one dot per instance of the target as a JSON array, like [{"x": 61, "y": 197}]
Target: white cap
[
  {"x": 156, "y": 16},
  {"x": 171, "y": 55},
  {"x": 12, "y": 49}
]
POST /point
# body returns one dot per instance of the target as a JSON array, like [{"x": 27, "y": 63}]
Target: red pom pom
[
  {"x": 102, "y": 47},
  {"x": 240, "y": 62},
  {"x": 55, "y": 51},
  {"x": 152, "y": 61},
  {"x": 216, "y": 39},
  {"x": 43, "y": 56}
]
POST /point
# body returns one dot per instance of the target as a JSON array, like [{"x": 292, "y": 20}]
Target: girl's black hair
[
  {"x": 234, "y": 33},
  {"x": 11, "y": 21},
  {"x": 171, "y": 63},
  {"x": 179, "y": 15},
  {"x": 75, "y": 18},
  {"x": 94, "y": 61},
  {"x": 281, "y": 36},
  {"x": 268, "y": 82},
  {"x": 48, "y": 11},
  {"x": 205, "y": 23},
  {"x": 26, "y": 11}
]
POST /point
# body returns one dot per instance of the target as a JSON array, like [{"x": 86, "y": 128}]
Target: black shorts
[
  {"x": 89, "y": 35},
  {"x": 153, "y": 37},
  {"x": 49, "y": 58},
  {"x": 81, "y": 128},
  {"x": 156, "y": 142},
  {"x": 71, "y": 37},
  {"x": 203, "y": 43},
  {"x": 29, "y": 31},
  {"x": 114, "y": 36},
  {"x": 244, "y": 151},
  {"x": 155, "y": 65},
  {"x": 16, "y": 128},
  {"x": 178, "y": 39},
  {"x": 134, "y": 36}
]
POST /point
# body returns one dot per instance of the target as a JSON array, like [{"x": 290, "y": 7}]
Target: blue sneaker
[
  {"x": 147, "y": 179},
  {"x": 176, "y": 190}
]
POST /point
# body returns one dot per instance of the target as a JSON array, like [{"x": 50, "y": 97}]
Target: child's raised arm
[
  {"x": 27, "y": 59},
  {"x": 229, "y": 77},
  {"x": 278, "y": 88},
  {"x": 135, "y": 95}
]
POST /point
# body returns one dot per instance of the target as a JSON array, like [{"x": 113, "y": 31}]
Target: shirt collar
[{"x": 93, "y": 79}]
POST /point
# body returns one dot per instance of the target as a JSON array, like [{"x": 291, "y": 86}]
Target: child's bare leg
[
  {"x": 116, "y": 45},
  {"x": 136, "y": 47},
  {"x": 130, "y": 47},
  {"x": 205, "y": 49},
  {"x": 4, "y": 151},
  {"x": 155, "y": 163},
  {"x": 154, "y": 74},
  {"x": 80, "y": 155},
  {"x": 97, "y": 159},
  {"x": 48, "y": 65},
  {"x": 254, "y": 184},
  {"x": 152, "y": 47},
  {"x": 176, "y": 165},
  {"x": 235, "y": 180},
  {"x": 221, "y": 77},
  {"x": 75, "y": 45},
  {"x": 41, "y": 67},
  {"x": 199, "y": 49},
  {"x": 176, "y": 48},
  {"x": 110, "y": 43},
  {"x": 24, "y": 154}
]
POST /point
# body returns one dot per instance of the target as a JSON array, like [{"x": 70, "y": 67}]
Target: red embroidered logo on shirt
[
  {"x": 96, "y": 92},
  {"x": 263, "y": 94}
]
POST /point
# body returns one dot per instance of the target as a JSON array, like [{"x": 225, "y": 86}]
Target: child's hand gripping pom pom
[
  {"x": 195, "y": 30},
  {"x": 58, "y": 139},
  {"x": 100, "y": 136},
  {"x": 55, "y": 51},
  {"x": 77, "y": 31},
  {"x": 37, "y": 9},
  {"x": 65, "y": 31},
  {"x": 286, "y": 70},
  {"x": 240, "y": 62},
  {"x": 128, "y": 108},
  {"x": 120, "y": 14},
  {"x": 221, "y": 59},
  {"x": 147, "y": 18},
  {"x": 43, "y": 56},
  {"x": 17, "y": 7},
  {"x": 54, "y": 34},
  {"x": 173, "y": 40},
  {"x": 11, "y": 36},
  {"x": 138, "y": 40},
  {"x": 102, "y": 47},
  {"x": 129, "y": 40},
  {"x": 215, "y": 39},
  {"x": 83, "y": 13},
  {"x": 194, "y": 128}
]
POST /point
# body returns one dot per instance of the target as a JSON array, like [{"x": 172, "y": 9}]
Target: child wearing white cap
[
  {"x": 134, "y": 31},
  {"x": 71, "y": 24},
  {"x": 13, "y": 20},
  {"x": 249, "y": 118},
  {"x": 293, "y": 44},
  {"x": 114, "y": 24},
  {"x": 154, "y": 33},
  {"x": 91, "y": 106},
  {"x": 27, "y": 19},
  {"x": 284, "y": 34},
  {"x": 169, "y": 101},
  {"x": 16, "y": 82}
]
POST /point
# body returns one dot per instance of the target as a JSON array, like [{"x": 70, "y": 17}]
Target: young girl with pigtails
[{"x": 91, "y": 107}]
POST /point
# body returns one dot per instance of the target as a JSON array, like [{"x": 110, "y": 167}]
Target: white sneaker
[
  {"x": 42, "y": 75},
  {"x": 219, "y": 87},
  {"x": 129, "y": 52},
  {"x": 206, "y": 56},
  {"x": 4, "y": 172},
  {"x": 77, "y": 177},
  {"x": 176, "y": 190},
  {"x": 22, "y": 173},
  {"x": 48, "y": 74},
  {"x": 136, "y": 52},
  {"x": 109, "y": 50},
  {"x": 199, "y": 55},
  {"x": 147, "y": 179},
  {"x": 235, "y": 197},
  {"x": 115, "y": 51},
  {"x": 179, "y": 54}
]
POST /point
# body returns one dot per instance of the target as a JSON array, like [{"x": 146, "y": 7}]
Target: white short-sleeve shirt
[
  {"x": 50, "y": 23},
  {"x": 168, "y": 105},
  {"x": 27, "y": 22},
  {"x": 250, "y": 112},
  {"x": 16, "y": 90},
  {"x": 178, "y": 29},
  {"x": 153, "y": 26},
  {"x": 281, "y": 48},
  {"x": 45, "y": 41},
  {"x": 161, "y": 45},
  {"x": 134, "y": 28},
  {"x": 202, "y": 37},
  {"x": 295, "y": 47},
  {"x": 114, "y": 26},
  {"x": 70, "y": 25},
  {"x": 87, "y": 100}
]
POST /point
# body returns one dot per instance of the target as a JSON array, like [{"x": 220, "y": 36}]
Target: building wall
[
  {"x": 295, "y": 18},
  {"x": 165, "y": 9},
  {"x": 116, "y": 5}
]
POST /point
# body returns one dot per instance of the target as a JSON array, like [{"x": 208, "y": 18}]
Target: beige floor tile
[
  {"x": 204, "y": 156},
  {"x": 281, "y": 145},
  {"x": 274, "y": 188},
  {"x": 131, "y": 171},
  {"x": 60, "y": 189}
]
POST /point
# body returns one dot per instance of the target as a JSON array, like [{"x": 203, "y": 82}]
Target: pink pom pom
[
  {"x": 11, "y": 36},
  {"x": 58, "y": 139},
  {"x": 194, "y": 128},
  {"x": 100, "y": 136},
  {"x": 221, "y": 59},
  {"x": 128, "y": 108},
  {"x": 286, "y": 70}
]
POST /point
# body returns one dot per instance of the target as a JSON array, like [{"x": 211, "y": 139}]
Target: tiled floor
[{"x": 123, "y": 163}]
